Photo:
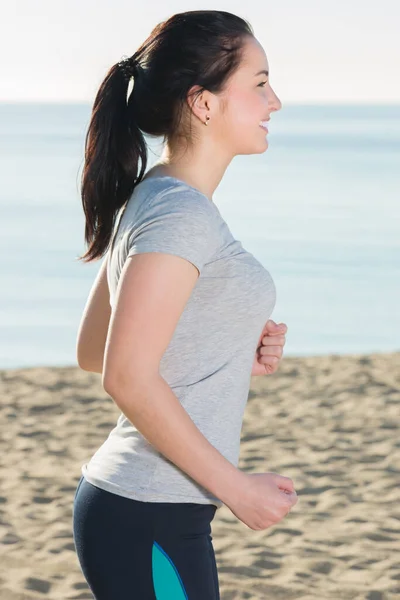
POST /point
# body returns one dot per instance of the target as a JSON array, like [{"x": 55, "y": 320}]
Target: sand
[{"x": 330, "y": 423}]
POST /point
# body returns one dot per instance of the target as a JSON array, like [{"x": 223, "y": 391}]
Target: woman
[{"x": 189, "y": 311}]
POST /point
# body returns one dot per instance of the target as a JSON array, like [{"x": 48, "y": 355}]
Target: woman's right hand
[{"x": 263, "y": 499}]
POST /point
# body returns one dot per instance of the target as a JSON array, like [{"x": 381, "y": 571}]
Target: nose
[{"x": 274, "y": 102}]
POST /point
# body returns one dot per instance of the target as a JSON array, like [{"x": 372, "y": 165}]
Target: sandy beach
[{"x": 331, "y": 423}]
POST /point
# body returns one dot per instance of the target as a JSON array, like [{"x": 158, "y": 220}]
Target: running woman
[{"x": 177, "y": 321}]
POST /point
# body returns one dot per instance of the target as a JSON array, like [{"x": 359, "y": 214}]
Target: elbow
[
  {"x": 79, "y": 358},
  {"x": 114, "y": 384},
  {"x": 134, "y": 380},
  {"x": 88, "y": 360},
  {"x": 108, "y": 385},
  {"x": 81, "y": 363},
  {"x": 111, "y": 381},
  {"x": 86, "y": 365}
]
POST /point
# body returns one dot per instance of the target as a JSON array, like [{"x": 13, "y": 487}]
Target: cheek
[
  {"x": 250, "y": 108},
  {"x": 244, "y": 110}
]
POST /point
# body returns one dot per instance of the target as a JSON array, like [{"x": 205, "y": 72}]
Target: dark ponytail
[{"x": 201, "y": 47}]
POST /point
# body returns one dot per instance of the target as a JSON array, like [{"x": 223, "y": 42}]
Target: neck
[{"x": 202, "y": 170}]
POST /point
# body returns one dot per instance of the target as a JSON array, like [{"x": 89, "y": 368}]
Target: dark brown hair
[{"x": 200, "y": 47}]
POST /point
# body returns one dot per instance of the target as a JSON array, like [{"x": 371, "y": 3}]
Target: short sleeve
[{"x": 177, "y": 221}]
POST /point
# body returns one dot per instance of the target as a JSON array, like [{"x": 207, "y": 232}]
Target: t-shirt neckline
[{"x": 181, "y": 182}]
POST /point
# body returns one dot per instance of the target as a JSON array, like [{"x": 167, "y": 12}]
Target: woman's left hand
[{"x": 269, "y": 348}]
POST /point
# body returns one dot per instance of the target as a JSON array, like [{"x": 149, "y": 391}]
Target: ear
[{"x": 199, "y": 103}]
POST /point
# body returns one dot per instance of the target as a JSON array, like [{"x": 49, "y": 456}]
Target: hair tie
[{"x": 129, "y": 67}]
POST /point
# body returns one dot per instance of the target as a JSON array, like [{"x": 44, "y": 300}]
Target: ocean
[{"x": 320, "y": 209}]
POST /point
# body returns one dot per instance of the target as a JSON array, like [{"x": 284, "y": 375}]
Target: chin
[
  {"x": 248, "y": 146},
  {"x": 262, "y": 146},
  {"x": 260, "y": 149}
]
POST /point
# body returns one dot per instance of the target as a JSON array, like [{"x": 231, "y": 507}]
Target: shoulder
[
  {"x": 169, "y": 193},
  {"x": 172, "y": 201},
  {"x": 176, "y": 219}
]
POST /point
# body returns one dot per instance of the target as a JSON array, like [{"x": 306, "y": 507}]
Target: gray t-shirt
[{"x": 209, "y": 359}]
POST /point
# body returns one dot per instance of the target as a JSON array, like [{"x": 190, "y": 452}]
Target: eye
[{"x": 262, "y": 84}]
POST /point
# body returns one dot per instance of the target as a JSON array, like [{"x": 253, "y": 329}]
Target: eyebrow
[{"x": 263, "y": 72}]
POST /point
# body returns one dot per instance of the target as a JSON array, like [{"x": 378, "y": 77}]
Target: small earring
[{"x": 208, "y": 118}]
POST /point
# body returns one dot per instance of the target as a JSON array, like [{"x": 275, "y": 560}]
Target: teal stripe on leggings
[{"x": 166, "y": 579}]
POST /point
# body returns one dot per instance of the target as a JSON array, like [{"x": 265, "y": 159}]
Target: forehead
[{"x": 254, "y": 58}]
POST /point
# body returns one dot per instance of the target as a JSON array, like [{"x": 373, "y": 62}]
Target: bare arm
[
  {"x": 153, "y": 290},
  {"x": 94, "y": 324}
]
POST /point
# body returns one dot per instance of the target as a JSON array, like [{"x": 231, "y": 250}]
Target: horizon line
[{"x": 288, "y": 102}]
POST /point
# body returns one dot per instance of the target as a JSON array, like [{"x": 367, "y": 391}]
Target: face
[{"x": 247, "y": 100}]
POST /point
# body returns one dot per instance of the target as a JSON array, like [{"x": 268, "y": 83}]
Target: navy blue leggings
[{"x": 134, "y": 550}]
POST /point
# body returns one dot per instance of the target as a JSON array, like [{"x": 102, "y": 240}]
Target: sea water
[{"x": 320, "y": 208}]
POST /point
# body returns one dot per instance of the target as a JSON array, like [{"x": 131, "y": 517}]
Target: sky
[{"x": 319, "y": 51}]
